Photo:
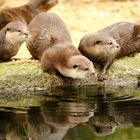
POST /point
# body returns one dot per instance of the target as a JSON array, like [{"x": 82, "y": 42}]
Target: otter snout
[
  {"x": 118, "y": 46},
  {"x": 90, "y": 72},
  {"x": 93, "y": 73},
  {"x": 26, "y": 34}
]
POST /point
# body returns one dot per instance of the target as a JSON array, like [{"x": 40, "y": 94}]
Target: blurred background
[{"x": 87, "y": 16}]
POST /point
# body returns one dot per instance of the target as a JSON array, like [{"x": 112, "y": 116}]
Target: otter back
[
  {"x": 46, "y": 29},
  {"x": 26, "y": 12}
]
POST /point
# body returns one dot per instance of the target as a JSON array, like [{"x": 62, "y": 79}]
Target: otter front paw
[
  {"x": 102, "y": 77},
  {"x": 15, "y": 59}
]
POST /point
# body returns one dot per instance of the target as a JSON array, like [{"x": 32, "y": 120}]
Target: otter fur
[
  {"x": 67, "y": 60},
  {"x": 51, "y": 43},
  {"x": 11, "y": 38},
  {"x": 125, "y": 38},
  {"x": 46, "y": 29},
  {"x": 26, "y": 12}
]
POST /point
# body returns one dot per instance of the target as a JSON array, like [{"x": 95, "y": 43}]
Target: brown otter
[
  {"x": 26, "y": 12},
  {"x": 113, "y": 42},
  {"x": 100, "y": 48},
  {"x": 46, "y": 29},
  {"x": 51, "y": 42},
  {"x": 67, "y": 60},
  {"x": 11, "y": 38}
]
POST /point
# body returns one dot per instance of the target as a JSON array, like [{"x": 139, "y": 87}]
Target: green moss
[
  {"x": 126, "y": 67},
  {"x": 27, "y": 74}
]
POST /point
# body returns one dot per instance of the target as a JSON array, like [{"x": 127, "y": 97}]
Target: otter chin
[{"x": 68, "y": 61}]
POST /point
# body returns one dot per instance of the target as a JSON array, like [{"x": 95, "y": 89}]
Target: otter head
[
  {"x": 103, "y": 130},
  {"x": 102, "y": 125},
  {"x": 99, "y": 45},
  {"x": 77, "y": 67},
  {"x": 16, "y": 32}
]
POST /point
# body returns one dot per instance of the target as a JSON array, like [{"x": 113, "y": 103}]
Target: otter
[
  {"x": 11, "y": 38},
  {"x": 51, "y": 43},
  {"x": 66, "y": 60},
  {"x": 46, "y": 29},
  {"x": 99, "y": 48},
  {"x": 113, "y": 42},
  {"x": 26, "y": 12}
]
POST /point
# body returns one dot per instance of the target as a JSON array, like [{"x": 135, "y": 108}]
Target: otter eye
[
  {"x": 18, "y": 30},
  {"x": 97, "y": 42},
  {"x": 86, "y": 69},
  {"x": 75, "y": 66},
  {"x": 8, "y": 29},
  {"x": 110, "y": 43}
]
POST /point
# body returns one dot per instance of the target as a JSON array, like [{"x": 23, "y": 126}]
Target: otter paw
[
  {"x": 102, "y": 77},
  {"x": 15, "y": 59}
]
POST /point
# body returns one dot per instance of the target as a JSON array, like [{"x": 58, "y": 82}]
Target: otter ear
[{"x": 51, "y": 39}]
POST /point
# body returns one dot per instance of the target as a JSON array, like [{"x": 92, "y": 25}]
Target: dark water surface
[{"x": 68, "y": 113}]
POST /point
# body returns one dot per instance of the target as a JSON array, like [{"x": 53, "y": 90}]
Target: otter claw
[
  {"x": 102, "y": 77},
  {"x": 15, "y": 59}
]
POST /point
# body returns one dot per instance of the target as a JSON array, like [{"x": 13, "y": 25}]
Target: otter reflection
[
  {"x": 37, "y": 128},
  {"x": 12, "y": 126},
  {"x": 49, "y": 121},
  {"x": 100, "y": 112},
  {"x": 113, "y": 112},
  {"x": 64, "y": 115}
]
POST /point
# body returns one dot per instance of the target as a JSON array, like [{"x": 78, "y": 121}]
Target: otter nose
[
  {"x": 26, "y": 33},
  {"x": 93, "y": 73},
  {"x": 90, "y": 74},
  {"x": 118, "y": 46},
  {"x": 86, "y": 69}
]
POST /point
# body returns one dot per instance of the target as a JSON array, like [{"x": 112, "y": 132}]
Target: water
[{"x": 68, "y": 113}]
